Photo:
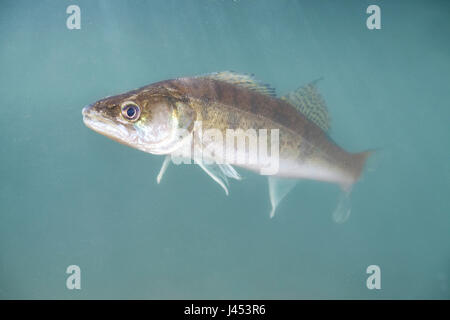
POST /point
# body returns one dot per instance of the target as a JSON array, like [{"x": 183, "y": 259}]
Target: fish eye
[{"x": 130, "y": 111}]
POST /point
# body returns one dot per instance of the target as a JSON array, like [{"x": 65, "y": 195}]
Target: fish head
[{"x": 152, "y": 120}]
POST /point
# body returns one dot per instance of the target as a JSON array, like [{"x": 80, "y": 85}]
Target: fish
[{"x": 164, "y": 118}]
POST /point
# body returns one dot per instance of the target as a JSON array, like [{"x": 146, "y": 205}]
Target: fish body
[{"x": 169, "y": 111}]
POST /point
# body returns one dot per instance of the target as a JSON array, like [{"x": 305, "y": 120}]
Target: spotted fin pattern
[{"x": 310, "y": 103}]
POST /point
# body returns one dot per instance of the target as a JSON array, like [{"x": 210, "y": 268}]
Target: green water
[{"x": 71, "y": 196}]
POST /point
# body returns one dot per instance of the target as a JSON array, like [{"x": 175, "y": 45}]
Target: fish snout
[{"x": 85, "y": 111}]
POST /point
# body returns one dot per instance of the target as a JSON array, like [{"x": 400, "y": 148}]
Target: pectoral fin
[
  {"x": 220, "y": 173},
  {"x": 163, "y": 169},
  {"x": 278, "y": 189},
  {"x": 229, "y": 171}
]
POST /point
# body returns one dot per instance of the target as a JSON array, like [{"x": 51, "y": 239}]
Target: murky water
[{"x": 69, "y": 196}]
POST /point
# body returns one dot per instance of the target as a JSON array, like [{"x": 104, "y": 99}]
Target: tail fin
[
  {"x": 344, "y": 207},
  {"x": 358, "y": 162}
]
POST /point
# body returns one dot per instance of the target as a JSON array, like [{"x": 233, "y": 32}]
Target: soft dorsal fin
[
  {"x": 310, "y": 103},
  {"x": 243, "y": 80}
]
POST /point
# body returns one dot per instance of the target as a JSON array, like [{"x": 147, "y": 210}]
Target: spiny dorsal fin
[
  {"x": 243, "y": 80},
  {"x": 310, "y": 103}
]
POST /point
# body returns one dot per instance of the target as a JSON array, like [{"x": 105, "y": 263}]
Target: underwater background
[{"x": 69, "y": 196}]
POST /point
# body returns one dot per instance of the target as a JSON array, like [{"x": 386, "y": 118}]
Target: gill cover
[{"x": 166, "y": 122}]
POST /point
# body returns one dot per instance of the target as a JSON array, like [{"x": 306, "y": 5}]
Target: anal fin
[{"x": 278, "y": 189}]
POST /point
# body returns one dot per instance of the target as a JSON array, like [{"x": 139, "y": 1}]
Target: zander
[{"x": 161, "y": 119}]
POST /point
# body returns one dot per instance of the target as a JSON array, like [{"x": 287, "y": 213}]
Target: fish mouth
[
  {"x": 107, "y": 127},
  {"x": 86, "y": 109},
  {"x": 91, "y": 118}
]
